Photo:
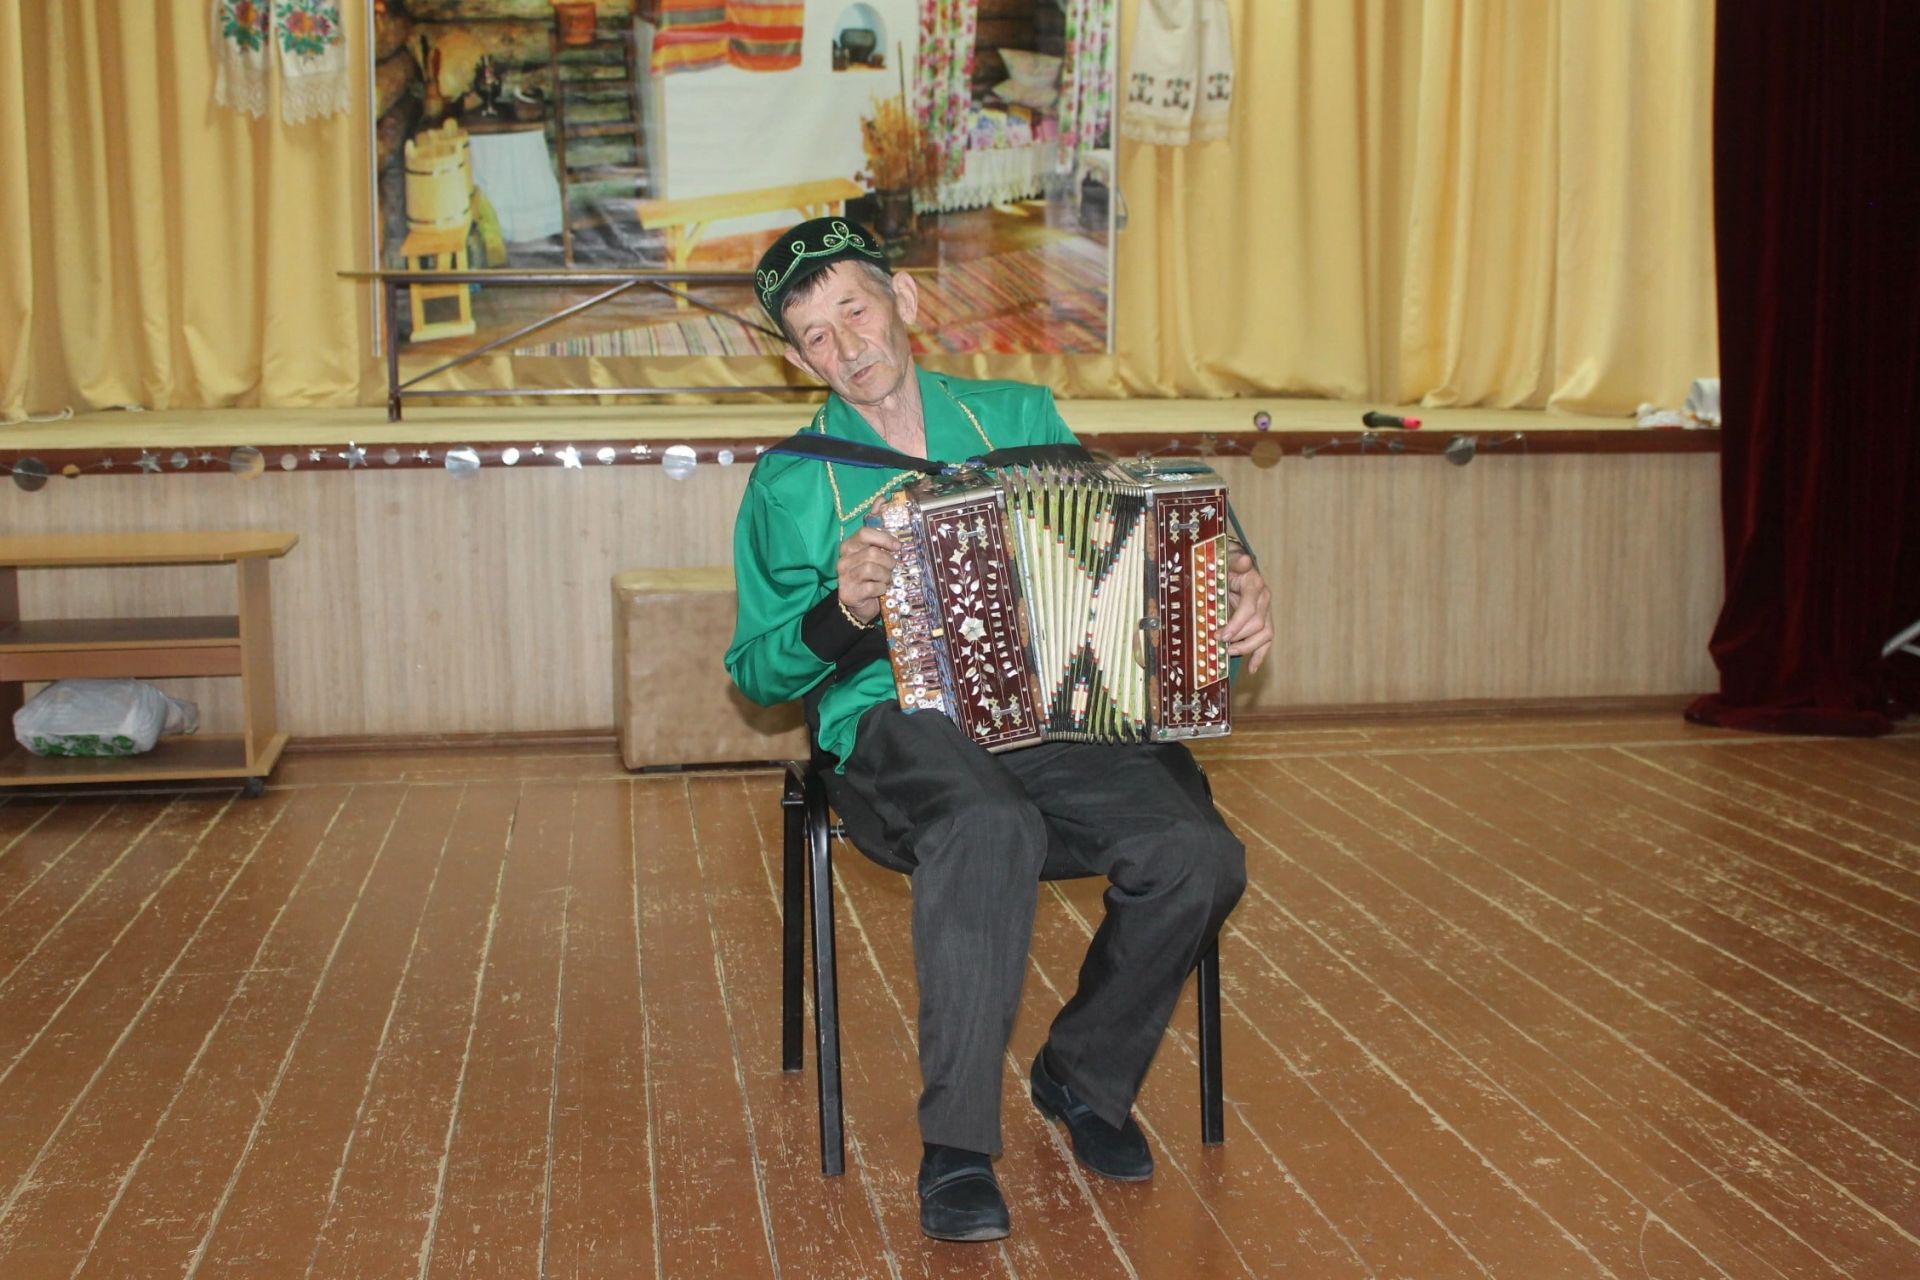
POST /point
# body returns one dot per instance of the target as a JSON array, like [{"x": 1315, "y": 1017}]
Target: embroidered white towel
[
  {"x": 1180, "y": 86},
  {"x": 312, "y": 49}
]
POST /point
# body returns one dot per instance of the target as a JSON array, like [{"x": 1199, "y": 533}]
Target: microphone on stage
[{"x": 1374, "y": 418}]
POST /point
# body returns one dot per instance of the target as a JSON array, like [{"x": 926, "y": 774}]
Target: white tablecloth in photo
[
  {"x": 515, "y": 172},
  {"x": 999, "y": 175}
]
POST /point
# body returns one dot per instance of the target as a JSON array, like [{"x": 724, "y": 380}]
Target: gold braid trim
[
  {"x": 848, "y": 615},
  {"x": 977, "y": 429},
  {"x": 887, "y": 486}
]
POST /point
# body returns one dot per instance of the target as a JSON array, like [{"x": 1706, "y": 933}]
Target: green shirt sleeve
[
  {"x": 1053, "y": 428},
  {"x": 788, "y": 629}
]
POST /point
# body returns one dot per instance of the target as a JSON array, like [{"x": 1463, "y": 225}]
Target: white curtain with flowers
[
  {"x": 943, "y": 85},
  {"x": 1086, "y": 81}
]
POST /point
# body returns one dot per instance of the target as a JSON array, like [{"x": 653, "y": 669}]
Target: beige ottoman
[{"x": 672, "y": 701}]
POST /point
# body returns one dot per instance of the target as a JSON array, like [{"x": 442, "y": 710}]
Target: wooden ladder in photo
[{"x": 596, "y": 116}]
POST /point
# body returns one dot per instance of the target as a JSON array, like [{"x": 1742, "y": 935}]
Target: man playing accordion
[{"x": 975, "y": 831}]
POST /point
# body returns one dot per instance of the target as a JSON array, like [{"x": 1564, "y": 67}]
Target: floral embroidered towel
[
  {"x": 1180, "y": 87},
  {"x": 311, "y": 48}
]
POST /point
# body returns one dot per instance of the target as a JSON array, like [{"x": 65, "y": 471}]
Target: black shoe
[
  {"x": 959, "y": 1196},
  {"x": 1121, "y": 1154}
]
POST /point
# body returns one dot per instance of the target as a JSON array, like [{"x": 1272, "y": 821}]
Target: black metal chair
[{"x": 808, "y": 866}]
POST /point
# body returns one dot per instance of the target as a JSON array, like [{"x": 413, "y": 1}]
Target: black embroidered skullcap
[{"x": 809, "y": 249}]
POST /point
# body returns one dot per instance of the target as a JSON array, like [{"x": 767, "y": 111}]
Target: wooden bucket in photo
[
  {"x": 576, "y": 20},
  {"x": 439, "y": 181}
]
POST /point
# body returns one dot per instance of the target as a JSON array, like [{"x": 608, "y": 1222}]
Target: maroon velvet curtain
[{"x": 1817, "y": 210}]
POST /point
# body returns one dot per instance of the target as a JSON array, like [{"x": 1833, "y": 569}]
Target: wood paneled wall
[
  {"x": 418, "y": 602},
  {"x": 1411, "y": 580}
]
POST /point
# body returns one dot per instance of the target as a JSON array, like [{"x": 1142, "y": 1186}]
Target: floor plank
[
  {"x": 1728, "y": 1097},
  {"x": 78, "y": 1173},
  {"x": 168, "y": 1196},
  {"x": 1415, "y": 963},
  {"x": 492, "y": 1215},
  {"x": 1797, "y": 1044},
  {"x": 1508, "y": 996},
  {"x": 100, "y": 965},
  {"x": 275, "y": 1198},
  {"x": 1399, "y": 901},
  {"x": 708, "y": 1213},
  {"x": 600, "y": 1219},
  {"x": 813, "y": 1233},
  {"x": 38, "y": 836},
  {"x": 381, "y": 1206},
  {"x": 96, "y": 879}
]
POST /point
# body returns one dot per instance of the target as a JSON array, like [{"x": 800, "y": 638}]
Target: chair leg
[
  {"x": 1213, "y": 1122},
  {"x": 793, "y": 892},
  {"x": 826, "y": 988}
]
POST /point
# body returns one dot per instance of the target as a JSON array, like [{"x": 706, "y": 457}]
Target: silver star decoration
[
  {"x": 425, "y": 455},
  {"x": 569, "y": 456},
  {"x": 205, "y": 457},
  {"x": 641, "y": 451},
  {"x": 314, "y": 455},
  {"x": 355, "y": 455},
  {"x": 537, "y": 450},
  {"x": 148, "y": 463},
  {"x": 106, "y": 464}
]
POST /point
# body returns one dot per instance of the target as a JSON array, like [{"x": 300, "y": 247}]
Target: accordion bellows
[{"x": 1074, "y": 601}]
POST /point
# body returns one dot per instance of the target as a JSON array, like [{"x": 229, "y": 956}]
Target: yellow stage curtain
[
  {"x": 1458, "y": 202},
  {"x": 1502, "y": 202},
  {"x": 156, "y": 249}
]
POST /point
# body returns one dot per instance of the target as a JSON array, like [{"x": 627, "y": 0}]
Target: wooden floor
[{"x": 1528, "y": 998}]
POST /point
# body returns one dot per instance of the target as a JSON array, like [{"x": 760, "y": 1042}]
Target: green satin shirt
[{"x": 786, "y": 542}]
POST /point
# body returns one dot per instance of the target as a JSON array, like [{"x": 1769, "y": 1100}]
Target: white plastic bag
[{"x": 100, "y": 718}]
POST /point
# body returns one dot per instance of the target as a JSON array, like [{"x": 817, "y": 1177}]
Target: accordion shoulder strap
[
  {"x": 811, "y": 444},
  {"x": 1026, "y": 455}
]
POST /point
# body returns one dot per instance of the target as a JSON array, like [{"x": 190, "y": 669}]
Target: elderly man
[{"x": 976, "y": 832}]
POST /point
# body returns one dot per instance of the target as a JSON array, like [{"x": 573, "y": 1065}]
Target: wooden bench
[
  {"x": 673, "y": 702},
  {"x": 238, "y": 644},
  {"x": 685, "y": 220}
]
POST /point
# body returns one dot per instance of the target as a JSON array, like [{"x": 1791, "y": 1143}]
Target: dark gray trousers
[{"x": 977, "y": 833}]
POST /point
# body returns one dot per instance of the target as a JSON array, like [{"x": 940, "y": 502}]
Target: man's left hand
[{"x": 1249, "y": 629}]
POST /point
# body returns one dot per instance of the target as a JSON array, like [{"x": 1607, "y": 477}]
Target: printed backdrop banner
[{"x": 685, "y": 134}]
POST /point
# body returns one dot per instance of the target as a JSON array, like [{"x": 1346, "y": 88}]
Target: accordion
[{"x": 1075, "y": 599}]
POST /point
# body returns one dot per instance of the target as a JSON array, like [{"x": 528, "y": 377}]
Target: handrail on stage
[{"x": 669, "y": 282}]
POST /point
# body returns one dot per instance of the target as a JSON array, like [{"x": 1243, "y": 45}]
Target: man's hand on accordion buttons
[
  {"x": 866, "y": 570},
  {"x": 1249, "y": 629}
]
